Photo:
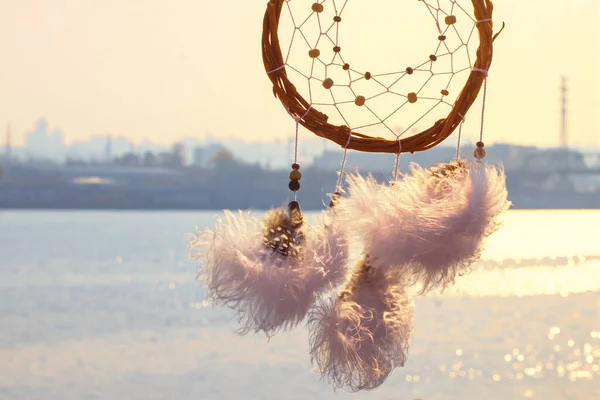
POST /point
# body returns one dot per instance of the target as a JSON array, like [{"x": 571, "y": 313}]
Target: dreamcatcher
[{"x": 423, "y": 228}]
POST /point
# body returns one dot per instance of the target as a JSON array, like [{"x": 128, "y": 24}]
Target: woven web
[{"x": 382, "y": 68}]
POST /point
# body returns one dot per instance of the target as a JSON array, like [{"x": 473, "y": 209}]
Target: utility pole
[
  {"x": 108, "y": 149},
  {"x": 564, "y": 142}
]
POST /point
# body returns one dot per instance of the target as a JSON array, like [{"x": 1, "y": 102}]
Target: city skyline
[{"x": 162, "y": 72}]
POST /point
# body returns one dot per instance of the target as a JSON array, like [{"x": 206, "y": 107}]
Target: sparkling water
[{"x": 105, "y": 305}]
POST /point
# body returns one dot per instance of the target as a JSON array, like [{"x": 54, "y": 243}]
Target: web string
[{"x": 329, "y": 36}]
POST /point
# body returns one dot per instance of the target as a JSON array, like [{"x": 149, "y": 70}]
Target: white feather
[
  {"x": 268, "y": 290},
  {"x": 359, "y": 337},
  {"x": 427, "y": 226}
]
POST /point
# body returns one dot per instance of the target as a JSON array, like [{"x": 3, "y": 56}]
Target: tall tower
[
  {"x": 564, "y": 142},
  {"x": 108, "y": 149}
]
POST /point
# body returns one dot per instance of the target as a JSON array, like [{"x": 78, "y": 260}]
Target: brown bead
[
  {"x": 337, "y": 18},
  {"x": 294, "y": 186},
  {"x": 479, "y": 153},
  {"x": 445, "y": 92},
  {"x": 337, "y": 49},
  {"x": 295, "y": 166},
  {"x": 317, "y": 7},
  {"x": 295, "y": 175},
  {"x": 479, "y": 144},
  {"x": 359, "y": 100},
  {"x": 433, "y": 57},
  {"x": 314, "y": 53},
  {"x": 450, "y": 19},
  {"x": 328, "y": 83},
  {"x": 346, "y": 67},
  {"x": 412, "y": 97},
  {"x": 367, "y": 75},
  {"x": 442, "y": 37},
  {"x": 409, "y": 70}
]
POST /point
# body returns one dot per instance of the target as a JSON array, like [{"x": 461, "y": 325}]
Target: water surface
[{"x": 104, "y": 305}]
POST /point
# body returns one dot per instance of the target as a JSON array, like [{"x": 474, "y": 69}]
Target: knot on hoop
[
  {"x": 349, "y": 139},
  {"x": 483, "y": 71},
  {"x": 298, "y": 119},
  {"x": 276, "y": 69}
]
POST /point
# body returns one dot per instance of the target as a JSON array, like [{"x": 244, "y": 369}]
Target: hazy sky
[{"x": 166, "y": 69}]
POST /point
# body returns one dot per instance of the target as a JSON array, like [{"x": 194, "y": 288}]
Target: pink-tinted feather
[
  {"x": 431, "y": 224},
  {"x": 359, "y": 337},
  {"x": 268, "y": 290}
]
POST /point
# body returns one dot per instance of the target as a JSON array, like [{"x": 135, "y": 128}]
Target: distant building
[
  {"x": 198, "y": 156},
  {"x": 40, "y": 143},
  {"x": 202, "y": 156}
]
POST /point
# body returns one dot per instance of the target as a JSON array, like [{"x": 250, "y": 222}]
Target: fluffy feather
[
  {"x": 359, "y": 337},
  {"x": 328, "y": 248},
  {"x": 446, "y": 233},
  {"x": 431, "y": 224},
  {"x": 269, "y": 271}
]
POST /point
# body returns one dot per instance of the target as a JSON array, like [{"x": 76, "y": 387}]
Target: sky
[{"x": 162, "y": 70}]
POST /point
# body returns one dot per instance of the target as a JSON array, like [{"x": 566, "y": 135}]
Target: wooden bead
[
  {"x": 450, "y": 19},
  {"x": 346, "y": 67},
  {"x": 334, "y": 198},
  {"x": 295, "y": 166},
  {"x": 317, "y": 7},
  {"x": 337, "y": 18},
  {"x": 337, "y": 49},
  {"x": 314, "y": 53},
  {"x": 367, "y": 75},
  {"x": 294, "y": 186},
  {"x": 479, "y": 153},
  {"x": 479, "y": 144},
  {"x": 409, "y": 70},
  {"x": 295, "y": 175},
  {"x": 445, "y": 92},
  {"x": 359, "y": 100},
  {"x": 442, "y": 37},
  {"x": 328, "y": 83},
  {"x": 433, "y": 57},
  {"x": 412, "y": 97}
]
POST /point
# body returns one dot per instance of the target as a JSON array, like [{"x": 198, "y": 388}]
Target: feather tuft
[
  {"x": 429, "y": 226},
  {"x": 359, "y": 337},
  {"x": 269, "y": 272}
]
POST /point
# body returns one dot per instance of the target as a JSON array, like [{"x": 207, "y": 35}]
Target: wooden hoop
[{"x": 315, "y": 121}]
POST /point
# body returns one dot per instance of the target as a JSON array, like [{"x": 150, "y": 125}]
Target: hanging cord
[
  {"x": 462, "y": 117},
  {"x": 480, "y": 151},
  {"x": 296, "y": 166},
  {"x": 483, "y": 108},
  {"x": 397, "y": 164},
  {"x": 338, "y": 186}
]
